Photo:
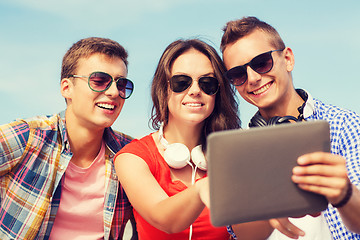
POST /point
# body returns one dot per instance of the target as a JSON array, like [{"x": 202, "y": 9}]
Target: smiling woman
[{"x": 191, "y": 99}]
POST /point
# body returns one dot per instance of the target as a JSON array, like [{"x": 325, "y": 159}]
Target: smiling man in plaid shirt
[{"x": 57, "y": 178}]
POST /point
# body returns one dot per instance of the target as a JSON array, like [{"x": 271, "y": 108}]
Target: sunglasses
[
  {"x": 179, "y": 83},
  {"x": 262, "y": 63},
  {"x": 100, "y": 82}
]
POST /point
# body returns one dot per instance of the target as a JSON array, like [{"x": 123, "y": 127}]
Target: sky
[{"x": 35, "y": 34}]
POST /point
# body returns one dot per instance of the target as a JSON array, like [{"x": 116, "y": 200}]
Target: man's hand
[{"x": 322, "y": 173}]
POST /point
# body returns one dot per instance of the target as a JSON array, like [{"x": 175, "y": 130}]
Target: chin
[{"x": 107, "y": 123}]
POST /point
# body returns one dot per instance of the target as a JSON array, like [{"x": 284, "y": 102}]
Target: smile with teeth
[
  {"x": 193, "y": 104},
  {"x": 262, "y": 89},
  {"x": 106, "y": 106}
]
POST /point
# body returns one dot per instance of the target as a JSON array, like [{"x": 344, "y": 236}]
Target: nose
[
  {"x": 194, "y": 88},
  {"x": 252, "y": 76},
  {"x": 112, "y": 90}
]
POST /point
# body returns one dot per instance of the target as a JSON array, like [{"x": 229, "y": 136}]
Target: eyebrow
[
  {"x": 210, "y": 74},
  {"x": 119, "y": 76}
]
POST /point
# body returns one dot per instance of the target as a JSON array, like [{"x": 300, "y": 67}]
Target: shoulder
[
  {"x": 116, "y": 140},
  {"x": 143, "y": 150},
  {"x": 122, "y": 136},
  {"x": 139, "y": 146},
  {"x": 344, "y": 123},
  {"x": 15, "y": 136},
  {"x": 335, "y": 115},
  {"x": 22, "y": 127}
]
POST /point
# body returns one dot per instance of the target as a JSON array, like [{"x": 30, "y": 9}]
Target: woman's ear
[{"x": 289, "y": 59}]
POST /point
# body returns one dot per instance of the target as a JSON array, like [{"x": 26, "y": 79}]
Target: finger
[
  {"x": 321, "y": 181},
  {"x": 284, "y": 226},
  {"x": 320, "y": 158},
  {"x": 322, "y": 170},
  {"x": 332, "y": 194}
]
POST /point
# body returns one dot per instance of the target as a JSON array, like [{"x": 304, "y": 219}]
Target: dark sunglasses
[
  {"x": 179, "y": 83},
  {"x": 100, "y": 82},
  {"x": 262, "y": 63}
]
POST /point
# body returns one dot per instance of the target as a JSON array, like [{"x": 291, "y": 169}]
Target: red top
[{"x": 146, "y": 149}]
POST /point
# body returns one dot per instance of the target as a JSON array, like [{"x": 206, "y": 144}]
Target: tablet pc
[{"x": 250, "y": 172}]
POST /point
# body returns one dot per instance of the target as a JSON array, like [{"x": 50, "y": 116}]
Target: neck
[
  {"x": 187, "y": 134},
  {"x": 85, "y": 143}
]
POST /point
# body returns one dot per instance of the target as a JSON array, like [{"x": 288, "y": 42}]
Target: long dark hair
[{"x": 225, "y": 114}]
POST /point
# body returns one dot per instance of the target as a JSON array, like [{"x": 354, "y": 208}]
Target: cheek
[
  {"x": 212, "y": 104},
  {"x": 172, "y": 102},
  {"x": 241, "y": 90},
  {"x": 121, "y": 104}
]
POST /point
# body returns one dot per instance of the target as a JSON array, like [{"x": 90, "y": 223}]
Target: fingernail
[
  {"x": 296, "y": 170},
  {"x": 300, "y": 160}
]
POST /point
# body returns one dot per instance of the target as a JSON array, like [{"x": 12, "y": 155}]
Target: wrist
[{"x": 346, "y": 198}]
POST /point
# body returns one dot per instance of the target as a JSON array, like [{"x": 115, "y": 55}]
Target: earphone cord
[{"x": 193, "y": 175}]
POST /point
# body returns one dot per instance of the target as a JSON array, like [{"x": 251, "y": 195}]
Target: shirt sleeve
[
  {"x": 13, "y": 140},
  {"x": 348, "y": 145}
]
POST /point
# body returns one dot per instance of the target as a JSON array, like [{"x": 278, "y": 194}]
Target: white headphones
[{"x": 177, "y": 155}]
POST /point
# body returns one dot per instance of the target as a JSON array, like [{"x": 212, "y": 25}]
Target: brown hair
[
  {"x": 86, "y": 47},
  {"x": 225, "y": 113},
  {"x": 234, "y": 30}
]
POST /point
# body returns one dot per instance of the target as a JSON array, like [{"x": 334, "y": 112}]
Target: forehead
[
  {"x": 246, "y": 48},
  {"x": 101, "y": 63},
  {"x": 192, "y": 61}
]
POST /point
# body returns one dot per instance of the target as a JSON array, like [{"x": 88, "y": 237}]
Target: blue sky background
[{"x": 35, "y": 34}]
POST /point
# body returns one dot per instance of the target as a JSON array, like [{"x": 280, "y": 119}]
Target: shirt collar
[
  {"x": 309, "y": 106},
  {"x": 62, "y": 127}
]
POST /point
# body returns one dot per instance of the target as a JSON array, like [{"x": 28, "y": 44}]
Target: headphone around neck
[
  {"x": 258, "y": 121},
  {"x": 177, "y": 155}
]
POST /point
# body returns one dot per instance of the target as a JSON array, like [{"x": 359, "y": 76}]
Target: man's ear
[
  {"x": 66, "y": 86},
  {"x": 289, "y": 59}
]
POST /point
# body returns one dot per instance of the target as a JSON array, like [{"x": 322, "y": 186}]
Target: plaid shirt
[
  {"x": 34, "y": 155},
  {"x": 345, "y": 141}
]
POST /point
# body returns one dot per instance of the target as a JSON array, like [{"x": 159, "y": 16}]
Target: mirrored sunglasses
[
  {"x": 179, "y": 83},
  {"x": 100, "y": 82},
  {"x": 262, "y": 63}
]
